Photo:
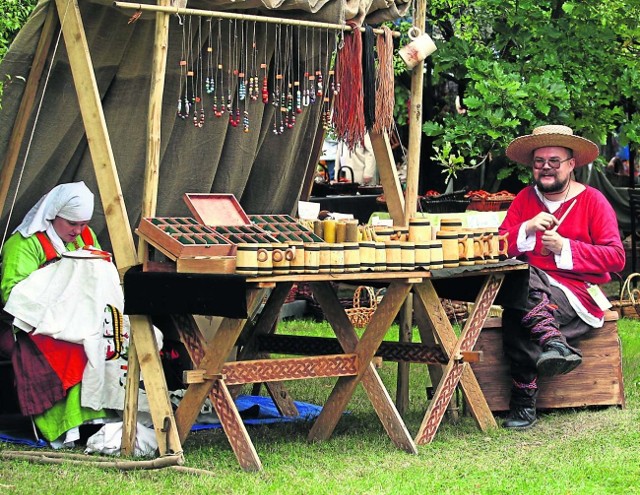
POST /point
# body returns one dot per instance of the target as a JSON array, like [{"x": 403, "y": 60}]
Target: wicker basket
[
  {"x": 485, "y": 204},
  {"x": 453, "y": 202},
  {"x": 628, "y": 306},
  {"x": 360, "y": 315}
]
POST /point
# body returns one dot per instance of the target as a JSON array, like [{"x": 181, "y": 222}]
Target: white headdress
[{"x": 73, "y": 202}]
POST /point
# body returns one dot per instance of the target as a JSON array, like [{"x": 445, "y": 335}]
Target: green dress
[{"x": 20, "y": 257}]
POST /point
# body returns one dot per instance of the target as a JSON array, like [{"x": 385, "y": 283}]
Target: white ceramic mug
[{"x": 419, "y": 48}]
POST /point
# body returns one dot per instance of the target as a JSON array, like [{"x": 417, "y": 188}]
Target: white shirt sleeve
[
  {"x": 524, "y": 242},
  {"x": 564, "y": 260}
]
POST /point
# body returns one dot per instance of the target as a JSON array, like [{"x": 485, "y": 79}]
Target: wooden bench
[{"x": 596, "y": 382}]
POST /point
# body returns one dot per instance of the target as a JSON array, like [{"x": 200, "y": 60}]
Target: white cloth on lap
[{"x": 66, "y": 301}]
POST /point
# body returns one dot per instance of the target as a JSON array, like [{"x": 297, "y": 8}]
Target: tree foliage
[
  {"x": 14, "y": 15},
  {"x": 516, "y": 64}
]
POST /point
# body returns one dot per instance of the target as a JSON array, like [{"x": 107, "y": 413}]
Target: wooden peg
[{"x": 199, "y": 376}]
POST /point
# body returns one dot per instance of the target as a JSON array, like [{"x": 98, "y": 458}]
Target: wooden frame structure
[{"x": 143, "y": 347}]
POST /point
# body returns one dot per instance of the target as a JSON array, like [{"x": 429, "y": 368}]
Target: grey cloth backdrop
[{"x": 263, "y": 170}]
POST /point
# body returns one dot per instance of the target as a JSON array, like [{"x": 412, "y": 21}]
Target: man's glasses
[{"x": 539, "y": 163}]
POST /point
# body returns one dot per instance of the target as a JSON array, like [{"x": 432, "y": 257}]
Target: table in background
[{"x": 361, "y": 206}]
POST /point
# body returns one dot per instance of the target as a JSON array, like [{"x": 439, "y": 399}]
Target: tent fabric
[
  {"x": 618, "y": 196},
  {"x": 263, "y": 170}
]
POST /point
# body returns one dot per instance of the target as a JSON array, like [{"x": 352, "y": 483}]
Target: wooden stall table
[{"x": 352, "y": 363}]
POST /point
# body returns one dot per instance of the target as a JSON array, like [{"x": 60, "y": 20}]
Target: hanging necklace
[
  {"x": 209, "y": 81},
  {"x": 218, "y": 110},
  {"x": 198, "y": 115}
]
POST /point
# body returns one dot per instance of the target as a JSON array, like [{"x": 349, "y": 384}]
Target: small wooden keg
[
  {"x": 407, "y": 256},
  {"x": 393, "y": 256},
  {"x": 351, "y": 257},
  {"x": 419, "y": 229},
  {"x": 367, "y": 255},
  {"x": 381, "y": 257},
  {"x": 337, "y": 257},
  {"x": 324, "y": 257},
  {"x": 437, "y": 255},
  {"x": 311, "y": 257}
]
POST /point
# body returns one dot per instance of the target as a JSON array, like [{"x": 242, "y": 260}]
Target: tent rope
[{"x": 33, "y": 128}]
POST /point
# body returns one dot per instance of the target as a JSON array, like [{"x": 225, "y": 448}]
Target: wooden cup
[
  {"x": 408, "y": 256},
  {"x": 423, "y": 255},
  {"x": 247, "y": 259},
  {"x": 265, "y": 259},
  {"x": 419, "y": 230},
  {"x": 437, "y": 255},
  {"x": 454, "y": 247},
  {"x": 311, "y": 257},
  {"x": 393, "y": 256},
  {"x": 351, "y": 257},
  {"x": 281, "y": 258},
  {"x": 367, "y": 255}
]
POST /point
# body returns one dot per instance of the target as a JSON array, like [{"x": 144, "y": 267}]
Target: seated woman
[{"x": 48, "y": 370}]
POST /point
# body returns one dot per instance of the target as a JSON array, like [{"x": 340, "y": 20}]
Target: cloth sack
[{"x": 108, "y": 440}]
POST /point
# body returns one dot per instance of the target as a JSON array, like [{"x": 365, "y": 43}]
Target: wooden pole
[
  {"x": 117, "y": 221},
  {"x": 415, "y": 123},
  {"x": 149, "y": 205},
  {"x": 154, "y": 119},
  {"x": 413, "y": 172},
  {"x": 406, "y": 335},
  {"x": 388, "y": 176},
  {"x": 245, "y": 17},
  {"x": 97, "y": 134},
  {"x": 26, "y": 105}
]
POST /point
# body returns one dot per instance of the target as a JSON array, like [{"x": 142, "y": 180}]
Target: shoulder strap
[
  {"x": 49, "y": 251},
  {"x": 86, "y": 236}
]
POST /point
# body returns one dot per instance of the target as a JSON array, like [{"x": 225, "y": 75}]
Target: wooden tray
[
  {"x": 183, "y": 236},
  {"x": 216, "y": 209},
  {"x": 285, "y": 228}
]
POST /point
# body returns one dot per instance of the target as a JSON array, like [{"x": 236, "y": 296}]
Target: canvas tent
[
  {"x": 91, "y": 95},
  {"x": 264, "y": 171}
]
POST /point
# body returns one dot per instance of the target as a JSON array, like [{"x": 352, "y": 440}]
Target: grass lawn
[{"x": 568, "y": 452}]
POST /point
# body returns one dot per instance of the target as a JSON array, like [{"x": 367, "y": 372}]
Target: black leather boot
[
  {"x": 522, "y": 408},
  {"x": 557, "y": 358},
  {"x": 520, "y": 418}
]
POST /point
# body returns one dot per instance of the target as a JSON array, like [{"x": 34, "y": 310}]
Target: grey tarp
[
  {"x": 263, "y": 170},
  {"x": 617, "y": 196}
]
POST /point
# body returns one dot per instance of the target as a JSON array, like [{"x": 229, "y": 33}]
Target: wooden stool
[{"x": 596, "y": 382}]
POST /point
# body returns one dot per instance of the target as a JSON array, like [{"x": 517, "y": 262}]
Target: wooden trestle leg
[
  {"x": 265, "y": 325},
  {"x": 457, "y": 371},
  {"x": 364, "y": 348},
  {"x": 217, "y": 350}
]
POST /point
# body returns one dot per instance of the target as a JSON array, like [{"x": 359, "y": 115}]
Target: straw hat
[{"x": 521, "y": 149}]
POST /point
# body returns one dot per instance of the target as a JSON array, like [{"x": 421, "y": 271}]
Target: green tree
[
  {"x": 14, "y": 15},
  {"x": 516, "y": 64}
]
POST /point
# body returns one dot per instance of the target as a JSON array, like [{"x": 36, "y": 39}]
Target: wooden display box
[
  {"x": 285, "y": 228},
  {"x": 178, "y": 237},
  {"x": 244, "y": 234},
  {"x": 216, "y": 209},
  {"x": 596, "y": 382}
]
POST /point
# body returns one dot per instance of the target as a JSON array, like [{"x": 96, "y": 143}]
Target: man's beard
[{"x": 556, "y": 187}]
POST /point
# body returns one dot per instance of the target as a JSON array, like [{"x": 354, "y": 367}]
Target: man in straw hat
[{"x": 568, "y": 233}]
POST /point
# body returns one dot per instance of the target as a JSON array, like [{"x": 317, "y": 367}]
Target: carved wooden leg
[
  {"x": 365, "y": 348},
  {"x": 457, "y": 370}
]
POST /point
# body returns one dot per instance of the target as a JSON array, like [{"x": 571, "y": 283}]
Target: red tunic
[{"x": 591, "y": 227}]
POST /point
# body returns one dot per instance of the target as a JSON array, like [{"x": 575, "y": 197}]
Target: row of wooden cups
[
  {"x": 465, "y": 247},
  {"x": 323, "y": 257}
]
